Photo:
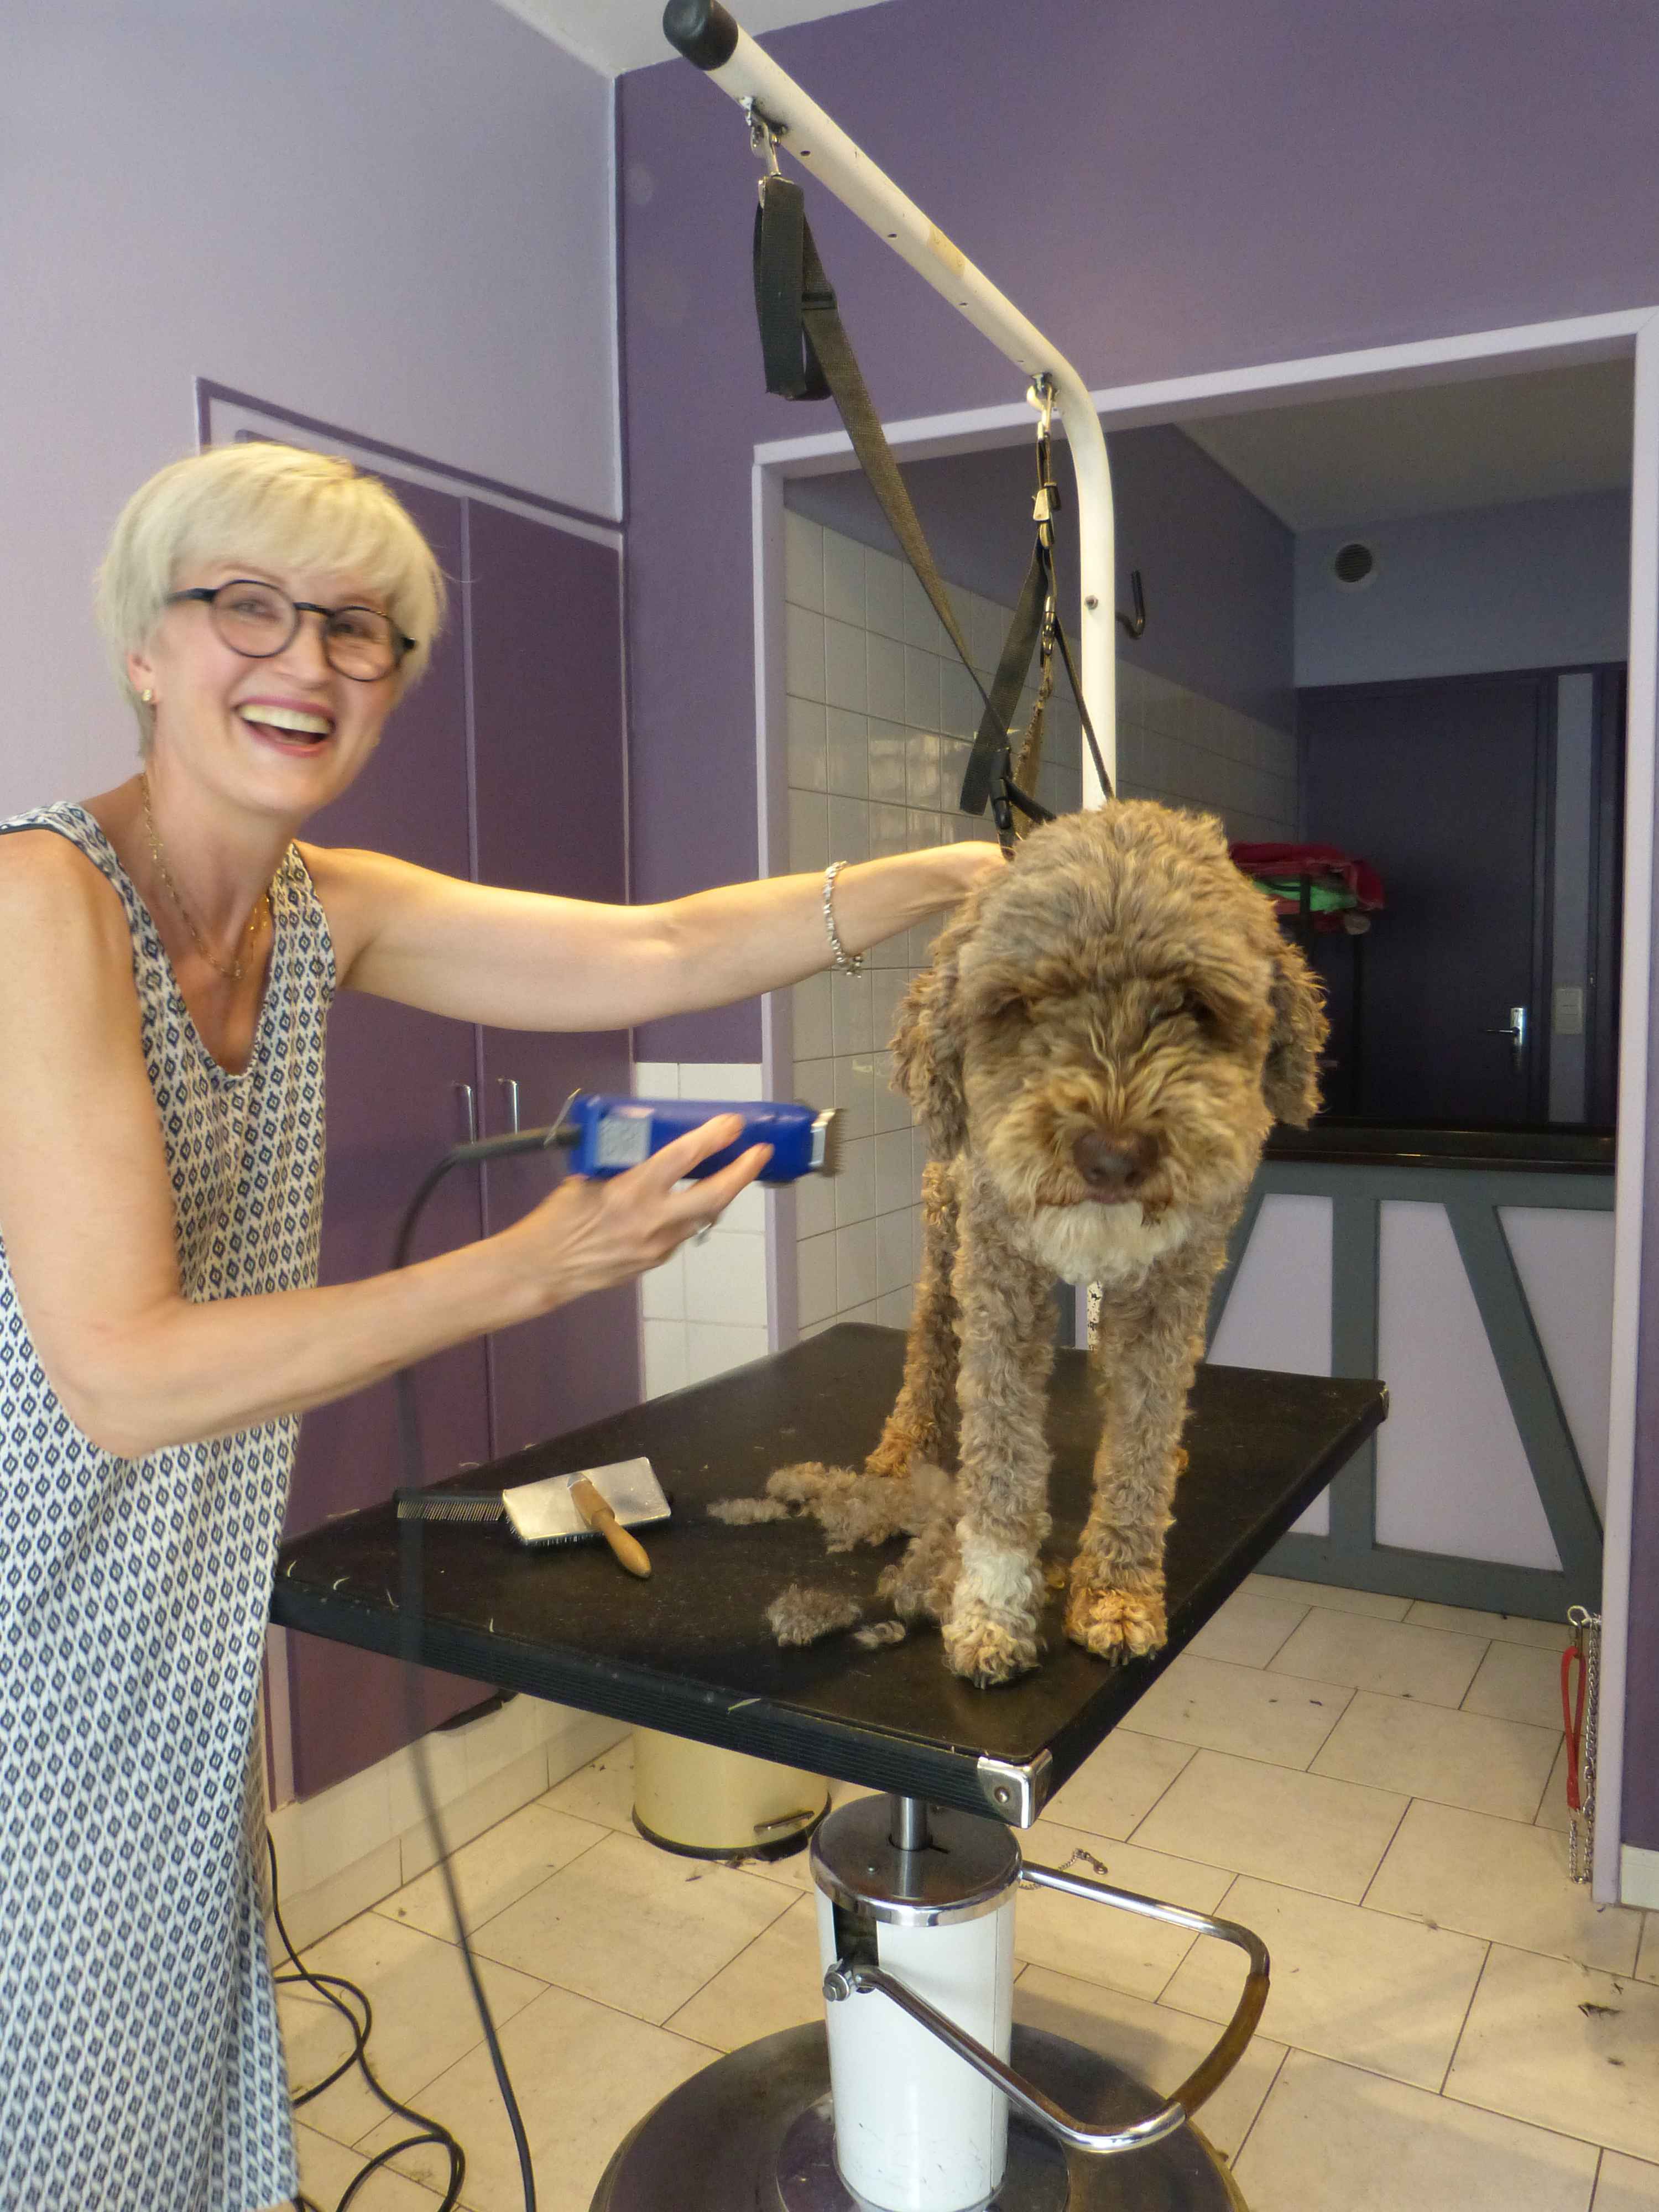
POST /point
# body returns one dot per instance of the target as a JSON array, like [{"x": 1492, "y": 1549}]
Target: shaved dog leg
[{"x": 922, "y": 1425}]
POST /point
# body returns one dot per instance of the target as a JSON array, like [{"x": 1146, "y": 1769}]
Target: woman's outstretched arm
[{"x": 86, "y": 1211}]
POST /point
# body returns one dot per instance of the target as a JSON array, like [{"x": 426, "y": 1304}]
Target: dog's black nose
[{"x": 1113, "y": 1167}]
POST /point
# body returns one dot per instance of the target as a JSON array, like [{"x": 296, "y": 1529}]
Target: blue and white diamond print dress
[{"x": 140, "y": 2066}]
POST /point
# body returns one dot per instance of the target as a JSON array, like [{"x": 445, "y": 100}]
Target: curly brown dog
[{"x": 1097, "y": 1052}]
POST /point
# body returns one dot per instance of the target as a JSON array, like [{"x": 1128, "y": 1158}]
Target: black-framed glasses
[{"x": 259, "y": 620}]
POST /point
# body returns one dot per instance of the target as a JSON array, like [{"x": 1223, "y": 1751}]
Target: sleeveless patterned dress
[{"x": 141, "y": 2065}]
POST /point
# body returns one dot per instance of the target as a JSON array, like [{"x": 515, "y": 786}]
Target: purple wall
[
  {"x": 398, "y": 220},
  {"x": 1217, "y": 566},
  {"x": 1244, "y": 180}
]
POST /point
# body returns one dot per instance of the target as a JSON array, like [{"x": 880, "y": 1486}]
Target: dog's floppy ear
[
  {"x": 1290, "y": 1081},
  {"x": 927, "y": 1041}
]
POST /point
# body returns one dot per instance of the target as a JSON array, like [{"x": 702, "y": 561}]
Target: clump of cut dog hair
[
  {"x": 799, "y": 1615},
  {"x": 741, "y": 1512},
  {"x": 852, "y": 1506},
  {"x": 875, "y": 1633}
]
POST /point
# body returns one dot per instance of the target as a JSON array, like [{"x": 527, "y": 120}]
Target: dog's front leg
[
  {"x": 1006, "y": 1328},
  {"x": 1144, "y": 1353},
  {"x": 922, "y": 1425}
]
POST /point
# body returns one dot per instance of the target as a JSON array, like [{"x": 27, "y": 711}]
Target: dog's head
[{"x": 1117, "y": 1018}]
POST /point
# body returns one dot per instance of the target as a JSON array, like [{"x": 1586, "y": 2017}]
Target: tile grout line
[
  {"x": 1371, "y": 1884},
  {"x": 1463, "y": 2025},
  {"x": 1278, "y": 2072}
]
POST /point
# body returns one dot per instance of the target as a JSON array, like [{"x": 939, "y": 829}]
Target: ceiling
[
  {"x": 1328, "y": 463},
  {"x": 613, "y": 35}
]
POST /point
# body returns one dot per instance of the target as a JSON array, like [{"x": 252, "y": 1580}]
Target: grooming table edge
[{"x": 689, "y": 1653}]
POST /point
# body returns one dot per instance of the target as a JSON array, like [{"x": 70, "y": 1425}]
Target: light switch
[{"x": 1569, "y": 1020}]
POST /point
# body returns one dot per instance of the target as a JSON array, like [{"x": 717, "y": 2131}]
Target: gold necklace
[{"x": 237, "y": 969}]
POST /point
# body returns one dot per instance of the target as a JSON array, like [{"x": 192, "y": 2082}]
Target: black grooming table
[{"x": 688, "y": 1652}]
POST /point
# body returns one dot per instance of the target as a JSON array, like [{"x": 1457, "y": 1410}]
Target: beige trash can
[{"x": 715, "y": 1804}]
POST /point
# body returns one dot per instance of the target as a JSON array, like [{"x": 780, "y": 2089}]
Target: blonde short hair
[{"x": 275, "y": 506}]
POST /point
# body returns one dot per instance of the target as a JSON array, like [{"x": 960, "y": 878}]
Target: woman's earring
[{"x": 147, "y": 697}]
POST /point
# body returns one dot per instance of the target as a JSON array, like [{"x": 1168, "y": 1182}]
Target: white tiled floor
[{"x": 1453, "y": 2026}]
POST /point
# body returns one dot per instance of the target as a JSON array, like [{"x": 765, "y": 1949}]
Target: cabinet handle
[
  {"x": 510, "y": 1085},
  {"x": 470, "y": 1107}
]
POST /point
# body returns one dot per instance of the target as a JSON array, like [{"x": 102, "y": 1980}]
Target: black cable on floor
[
  {"x": 431, "y": 2131},
  {"x": 409, "y": 1597}
]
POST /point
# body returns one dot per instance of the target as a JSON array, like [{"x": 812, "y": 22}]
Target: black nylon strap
[
  {"x": 991, "y": 746},
  {"x": 807, "y": 355}
]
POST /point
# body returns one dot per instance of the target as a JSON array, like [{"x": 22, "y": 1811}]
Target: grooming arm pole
[{"x": 706, "y": 35}]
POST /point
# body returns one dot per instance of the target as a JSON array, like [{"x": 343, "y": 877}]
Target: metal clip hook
[
  {"x": 1040, "y": 393},
  {"x": 764, "y": 134}
]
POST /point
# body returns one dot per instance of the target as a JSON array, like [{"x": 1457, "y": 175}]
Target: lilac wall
[
  {"x": 399, "y": 221},
  {"x": 1245, "y": 180},
  {"x": 1217, "y": 565}
]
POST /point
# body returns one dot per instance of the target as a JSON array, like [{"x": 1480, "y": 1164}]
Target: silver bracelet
[{"x": 850, "y": 963}]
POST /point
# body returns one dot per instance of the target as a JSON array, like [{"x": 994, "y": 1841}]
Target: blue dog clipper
[{"x": 606, "y": 1135}]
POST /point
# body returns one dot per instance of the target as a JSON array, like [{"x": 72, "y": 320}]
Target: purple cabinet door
[
  {"x": 393, "y": 1108},
  {"x": 545, "y": 620}
]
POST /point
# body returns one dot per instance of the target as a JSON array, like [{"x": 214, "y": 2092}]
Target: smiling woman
[{"x": 172, "y": 953}]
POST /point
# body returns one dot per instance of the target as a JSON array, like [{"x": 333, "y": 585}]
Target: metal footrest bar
[{"x": 848, "y": 1977}]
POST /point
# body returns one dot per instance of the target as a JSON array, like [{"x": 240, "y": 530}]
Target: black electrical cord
[
  {"x": 409, "y": 1562},
  {"x": 430, "y": 2130}
]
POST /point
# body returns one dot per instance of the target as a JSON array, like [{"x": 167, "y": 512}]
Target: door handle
[
  {"x": 470, "y": 1107},
  {"x": 1514, "y": 1030},
  {"x": 509, "y": 1085}
]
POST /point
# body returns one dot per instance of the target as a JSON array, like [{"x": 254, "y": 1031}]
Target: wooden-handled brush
[{"x": 602, "y": 1520}]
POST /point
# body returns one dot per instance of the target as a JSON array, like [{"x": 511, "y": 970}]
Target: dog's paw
[
  {"x": 1116, "y": 1624},
  {"x": 986, "y": 1647}
]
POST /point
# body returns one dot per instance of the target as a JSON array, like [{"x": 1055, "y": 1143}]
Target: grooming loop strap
[{"x": 807, "y": 354}]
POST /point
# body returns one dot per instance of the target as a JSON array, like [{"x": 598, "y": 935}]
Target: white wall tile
[
  {"x": 665, "y": 1356},
  {"x": 810, "y": 1014},
  {"x": 921, "y": 688},
  {"x": 889, "y": 831},
  {"x": 855, "y": 1265},
  {"x": 959, "y": 704},
  {"x": 746, "y": 1214},
  {"x": 803, "y": 562},
  {"x": 883, "y": 594},
  {"x": 851, "y": 997},
  {"x": 886, "y": 777},
  {"x": 656, "y": 1078},
  {"x": 895, "y": 1180},
  {"x": 855, "y": 1094},
  {"x": 892, "y": 1107},
  {"x": 803, "y": 653},
  {"x": 893, "y": 1309},
  {"x": 870, "y": 1311},
  {"x": 856, "y": 1185},
  {"x": 725, "y": 1281},
  {"x": 807, "y": 767},
  {"x": 815, "y": 1082},
  {"x": 662, "y": 1290},
  {"x": 921, "y": 770},
  {"x": 712, "y": 1348},
  {"x": 847, "y": 752},
  {"x": 814, "y": 1205},
  {"x": 886, "y": 696},
  {"x": 894, "y": 1251},
  {"x": 844, "y": 579},
  {"x": 815, "y": 1278},
  {"x": 809, "y": 832},
  {"x": 845, "y": 679},
  {"x": 721, "y": 1078},
  {"x": 849, "y": 827}
]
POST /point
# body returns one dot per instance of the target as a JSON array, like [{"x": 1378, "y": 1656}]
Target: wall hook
[{"x": 1133, "y": 624}]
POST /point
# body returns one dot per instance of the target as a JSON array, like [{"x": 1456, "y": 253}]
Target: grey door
[{"x": 1442, "y": 785}]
